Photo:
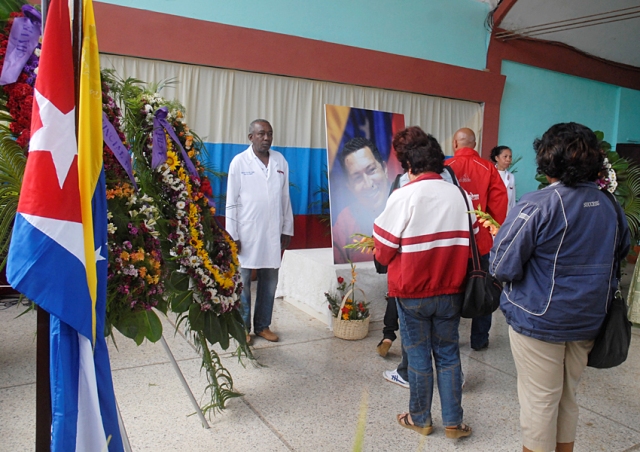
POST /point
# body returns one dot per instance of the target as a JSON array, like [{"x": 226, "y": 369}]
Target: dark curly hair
[
  {"x": 357, "y": 143},
  {"x": 408, "y": 140},
  {"x": 418, "y": 151},
  {"x": 569, "y": 152},
  {"x": 495, "y": 152}
]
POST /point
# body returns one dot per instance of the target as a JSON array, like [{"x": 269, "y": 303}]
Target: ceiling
[{"x": 609, "y": 29}]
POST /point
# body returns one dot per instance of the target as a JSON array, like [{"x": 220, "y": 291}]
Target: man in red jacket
[{"x": 481, "y": 180}]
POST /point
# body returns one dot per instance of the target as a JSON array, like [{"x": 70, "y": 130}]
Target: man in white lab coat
[{"x": 259, "y": 218}]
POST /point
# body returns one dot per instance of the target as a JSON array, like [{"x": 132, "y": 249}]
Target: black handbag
[
  {"x": 611, "y": 346},
  {"x": 482, "y": 292}
]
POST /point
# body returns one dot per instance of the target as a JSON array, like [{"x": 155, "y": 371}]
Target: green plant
[{"x": 12, "y": 164}]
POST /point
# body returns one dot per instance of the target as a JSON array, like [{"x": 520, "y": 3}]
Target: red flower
[
  {"x": 205, "y": 186},
  {"x": 346, "y": 310},
  {"x": 340, "y": 279}
]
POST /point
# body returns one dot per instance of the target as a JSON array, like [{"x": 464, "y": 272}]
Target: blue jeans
[
  {"x": 480, "y": 326},
  {"x": 403, "y": 367},
  {"x": 263, "y": 308},
  {"x": 429, "y": 326}
]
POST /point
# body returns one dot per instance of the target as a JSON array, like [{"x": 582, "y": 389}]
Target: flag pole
[
  {"x": 43, "y": 384},
  {"x": 43, "y": 381},
  {"x": 76, "y": 36}
]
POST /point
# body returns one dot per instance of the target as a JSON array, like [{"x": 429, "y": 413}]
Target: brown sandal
[
  {"x": 459, "y": 431},
  {"x": 403, "y": 420}
]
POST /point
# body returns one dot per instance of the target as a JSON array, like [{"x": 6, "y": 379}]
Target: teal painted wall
[
  {"x": 446, "y": 31},
  {"x": 534, "y": 99},
  {"x": 629, "y": 121}
]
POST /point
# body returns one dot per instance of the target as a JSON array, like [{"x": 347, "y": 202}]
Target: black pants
[{"x": 391, "y": 324}]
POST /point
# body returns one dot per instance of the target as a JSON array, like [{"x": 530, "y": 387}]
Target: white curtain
[{"x": 220, "y": 103}]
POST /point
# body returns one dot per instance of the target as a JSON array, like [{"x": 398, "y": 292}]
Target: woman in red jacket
[{"x": 423, "y": 238}]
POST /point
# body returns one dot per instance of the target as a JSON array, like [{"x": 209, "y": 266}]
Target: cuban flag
[{"x": 58, "y": 252}]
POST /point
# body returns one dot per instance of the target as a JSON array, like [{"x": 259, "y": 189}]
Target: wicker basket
[{"x": 351, "y": 330}]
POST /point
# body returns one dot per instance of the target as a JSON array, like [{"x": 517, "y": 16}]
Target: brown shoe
[
  {"x": 268, "y": 335},
  {"x": 383, "y": 347},
  {"x": 248, "y": 339},
  {"x": 459, "y": 431}
]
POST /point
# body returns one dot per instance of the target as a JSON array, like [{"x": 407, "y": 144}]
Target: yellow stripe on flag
[
  {"x": 337, "y": 117},
  {"x": 89, "y": 142}
]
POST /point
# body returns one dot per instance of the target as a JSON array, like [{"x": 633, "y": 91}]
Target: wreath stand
[{"x": 185, "y": 385}]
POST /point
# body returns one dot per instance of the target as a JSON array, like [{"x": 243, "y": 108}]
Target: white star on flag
[{"x": 57, "y": 135}]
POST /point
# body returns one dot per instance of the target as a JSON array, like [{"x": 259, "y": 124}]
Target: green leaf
[
  {"x": 212, "y": 327},
  {"x": 236, "y": 326},
  {"x": 196, "y": 317},
  {"x": 179, "y": 282},
  {"x": 153, "y": 325},
  {"x": 599, "y": 135},
  {"x": 140, "y": 325},
  {"x": 224, "y": 333},
  {"x": 181, "y": 302}
]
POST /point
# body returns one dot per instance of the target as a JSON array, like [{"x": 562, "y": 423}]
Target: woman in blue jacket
[{"x": 558, "y": 252}]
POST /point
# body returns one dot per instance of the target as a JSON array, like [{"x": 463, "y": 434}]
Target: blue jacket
[{"x": 558, "y": 252}]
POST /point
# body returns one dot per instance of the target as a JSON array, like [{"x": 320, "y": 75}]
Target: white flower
[
  {"x": 37, "y": 52},
  {"x": 180, "y": 205},
  {"x": 109, "y": 215},
  {"x": 148, "y": 108},
  {"x": 111, "y": 228}
]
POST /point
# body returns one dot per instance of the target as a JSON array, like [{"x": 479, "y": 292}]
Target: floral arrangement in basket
[{"x": 350, "y": 314}]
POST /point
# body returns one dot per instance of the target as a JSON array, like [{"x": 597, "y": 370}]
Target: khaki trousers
[{"x": 548, "y": 375}]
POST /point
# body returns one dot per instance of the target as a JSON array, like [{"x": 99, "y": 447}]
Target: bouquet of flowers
[
  {"x": 486, "y": 220},
  {"x": 362, "y": 242},
  {"x": 352, "y": 309}
]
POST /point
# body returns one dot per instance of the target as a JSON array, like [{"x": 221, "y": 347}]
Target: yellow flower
[
  {"x": 172, "y": 160},
  {"x": 124, "y": 256}
]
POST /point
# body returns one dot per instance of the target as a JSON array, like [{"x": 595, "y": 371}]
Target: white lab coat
[
  {"x": 258, "y": 207},
  {"x": 510, "y": 182}
]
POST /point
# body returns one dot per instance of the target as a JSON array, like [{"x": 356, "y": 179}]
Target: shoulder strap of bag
[
  {"x": 616, "y": 207},
  {"x": 472, "y": 239},
  {"x": 454, "y": 179},
  {"x": 396, "y": 184}
]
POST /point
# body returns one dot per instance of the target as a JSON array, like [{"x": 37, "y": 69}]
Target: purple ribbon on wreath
[
  {"x": 159, "y": 153},
  {"x": 23, "y": 40},
  {"x": 113, "y": 142}
]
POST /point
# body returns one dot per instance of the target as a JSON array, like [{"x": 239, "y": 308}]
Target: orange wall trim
[{"x": 145, "y": 34}]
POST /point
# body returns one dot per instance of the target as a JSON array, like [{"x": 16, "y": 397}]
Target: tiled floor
[{"x": 308, "y": 392}]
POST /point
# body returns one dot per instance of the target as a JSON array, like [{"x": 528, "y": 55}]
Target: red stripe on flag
[
  {"x": 41, "y": 194},
  {"x": 57, "y": 62}
]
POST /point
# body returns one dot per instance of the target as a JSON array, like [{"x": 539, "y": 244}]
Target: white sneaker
[{"x": 394, "y": 377}]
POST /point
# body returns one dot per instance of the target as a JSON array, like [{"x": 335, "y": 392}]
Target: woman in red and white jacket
[{"x": 423, "y": 237}]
